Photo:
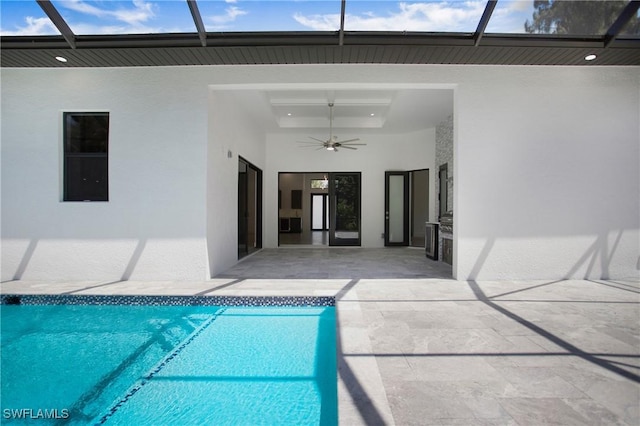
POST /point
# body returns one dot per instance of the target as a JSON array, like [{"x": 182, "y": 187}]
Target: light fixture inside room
[
  {"x": 61, "y": 59},
  {"x": 590, "y": 57}
]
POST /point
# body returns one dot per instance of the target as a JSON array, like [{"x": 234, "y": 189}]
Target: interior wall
[
  {"x": 300, "y": 181},
  {"x": 409, "y": 151},
  {"x": 288, "y": 183}
]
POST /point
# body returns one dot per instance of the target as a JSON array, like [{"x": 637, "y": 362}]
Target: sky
[{"x": 25, "y": 17}]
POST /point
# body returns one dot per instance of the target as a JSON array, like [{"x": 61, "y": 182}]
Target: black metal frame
[
  {"x": 443, "y": 199},
  {"x": 206, "y": 40},
  {"x": 259, "y": 206},
  {"x": 66, "y": 197}
]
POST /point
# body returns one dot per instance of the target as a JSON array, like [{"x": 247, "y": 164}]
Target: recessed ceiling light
[
  {"x": 289, "y": 114},
  {"x": 61, "y": 59},
  {"x": 372, "y": 114},
  {"x": 590, "y": 57}
]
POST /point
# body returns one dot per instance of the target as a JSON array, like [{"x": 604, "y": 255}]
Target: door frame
[
  {"x": 405, "y": 208},
  {"x": 243, "y": 218},
  {"x": 408, "y": 205}
]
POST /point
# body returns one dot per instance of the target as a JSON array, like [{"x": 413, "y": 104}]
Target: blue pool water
[{"x": 177, "y": 365}]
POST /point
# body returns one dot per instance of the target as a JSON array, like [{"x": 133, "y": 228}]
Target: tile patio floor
[{"x": 425, "y": 349}]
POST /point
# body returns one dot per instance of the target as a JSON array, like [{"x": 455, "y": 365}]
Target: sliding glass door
[
  {"x": 249, "y": 208},
  {"x": 344, "y": 209}
]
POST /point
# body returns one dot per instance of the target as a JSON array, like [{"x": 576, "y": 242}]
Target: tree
[{"x": 591, "y": 17}]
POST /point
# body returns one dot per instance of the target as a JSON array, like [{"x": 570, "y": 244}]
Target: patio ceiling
[{"x": 351, "y": 42}]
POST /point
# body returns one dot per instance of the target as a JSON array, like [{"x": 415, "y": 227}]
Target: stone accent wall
[{"x": 444, "y": 155}]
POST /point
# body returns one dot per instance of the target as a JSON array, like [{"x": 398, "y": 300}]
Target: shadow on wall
[
  {"x": 126, "y": 274},
  {"x": 598, "y": 253}
]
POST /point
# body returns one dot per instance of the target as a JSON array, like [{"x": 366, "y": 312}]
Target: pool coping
[{"x": 152, "y": 300}]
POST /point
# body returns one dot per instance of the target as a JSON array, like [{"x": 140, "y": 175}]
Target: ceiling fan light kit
[{"x": 332, "y": 143}]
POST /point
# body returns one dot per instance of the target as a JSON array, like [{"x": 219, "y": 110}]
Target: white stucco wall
[
  {"x": 546, "y": 177},
  {"x": 232, "y": 133},
  {"x": 153, "y": 226}
]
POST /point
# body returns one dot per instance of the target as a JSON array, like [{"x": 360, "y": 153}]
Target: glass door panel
[
  {"x": 396, "y": 224},
  {"x": 396, "y": 209},
  {"x": 419, "y": 213},
  {"x": 344, "y": 203}
]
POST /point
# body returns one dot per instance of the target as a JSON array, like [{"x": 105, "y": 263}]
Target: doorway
[
  {"x": 319, "y": 208},
  {"x": 344, "y": 209},
  {"x": 406, "y": 207},
  {"x": 249, "y": 208},
  {"x": 319, "y": 212}
]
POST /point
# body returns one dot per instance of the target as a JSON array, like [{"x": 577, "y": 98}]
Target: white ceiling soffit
[{"x": 386, "y": 110}]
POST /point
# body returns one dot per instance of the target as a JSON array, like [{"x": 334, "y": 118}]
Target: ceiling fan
[{"x": 331, "y": 144}]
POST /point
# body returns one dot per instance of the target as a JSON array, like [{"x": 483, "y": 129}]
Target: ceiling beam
[
  {"x": 627, "y": 13},
  {"x": 58, "y": 21},
  {"x": 482, "y": 25},
  {"x": 197, "y": 19},
  {"x": 342, "y": 12}
]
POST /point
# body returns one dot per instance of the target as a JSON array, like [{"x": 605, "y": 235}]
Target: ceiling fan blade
[
  {"x": 310, "y": 143},
  {"x": 316, "y": 139},
  {"x": 352, "y": 144},
  {"x": 347, "y": 147},
  {"x": 349, "y": 140}
]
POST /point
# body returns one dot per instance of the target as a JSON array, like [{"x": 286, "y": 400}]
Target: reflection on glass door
[
  {"x": 396, "y": 224},
  {"x": 344, "y": 211}
]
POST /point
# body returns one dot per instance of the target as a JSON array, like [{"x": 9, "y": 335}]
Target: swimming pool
[{"x": 105, "y": 360}]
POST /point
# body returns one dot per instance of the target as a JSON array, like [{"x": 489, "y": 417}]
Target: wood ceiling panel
[{"x": 627, "y": 53}]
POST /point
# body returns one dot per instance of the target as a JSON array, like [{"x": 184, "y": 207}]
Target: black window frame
[{"x": 77, "y": 159}]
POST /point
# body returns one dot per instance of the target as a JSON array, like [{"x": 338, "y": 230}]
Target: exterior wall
[
  {"x": 232, "y": 133},
  {"x": 547, "y": 173},
  {"x": 153, "y": 226},
  {"x": 546, "y": 168}
]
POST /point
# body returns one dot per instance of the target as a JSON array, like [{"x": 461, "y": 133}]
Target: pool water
[{"x": 155, "y": 365}]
